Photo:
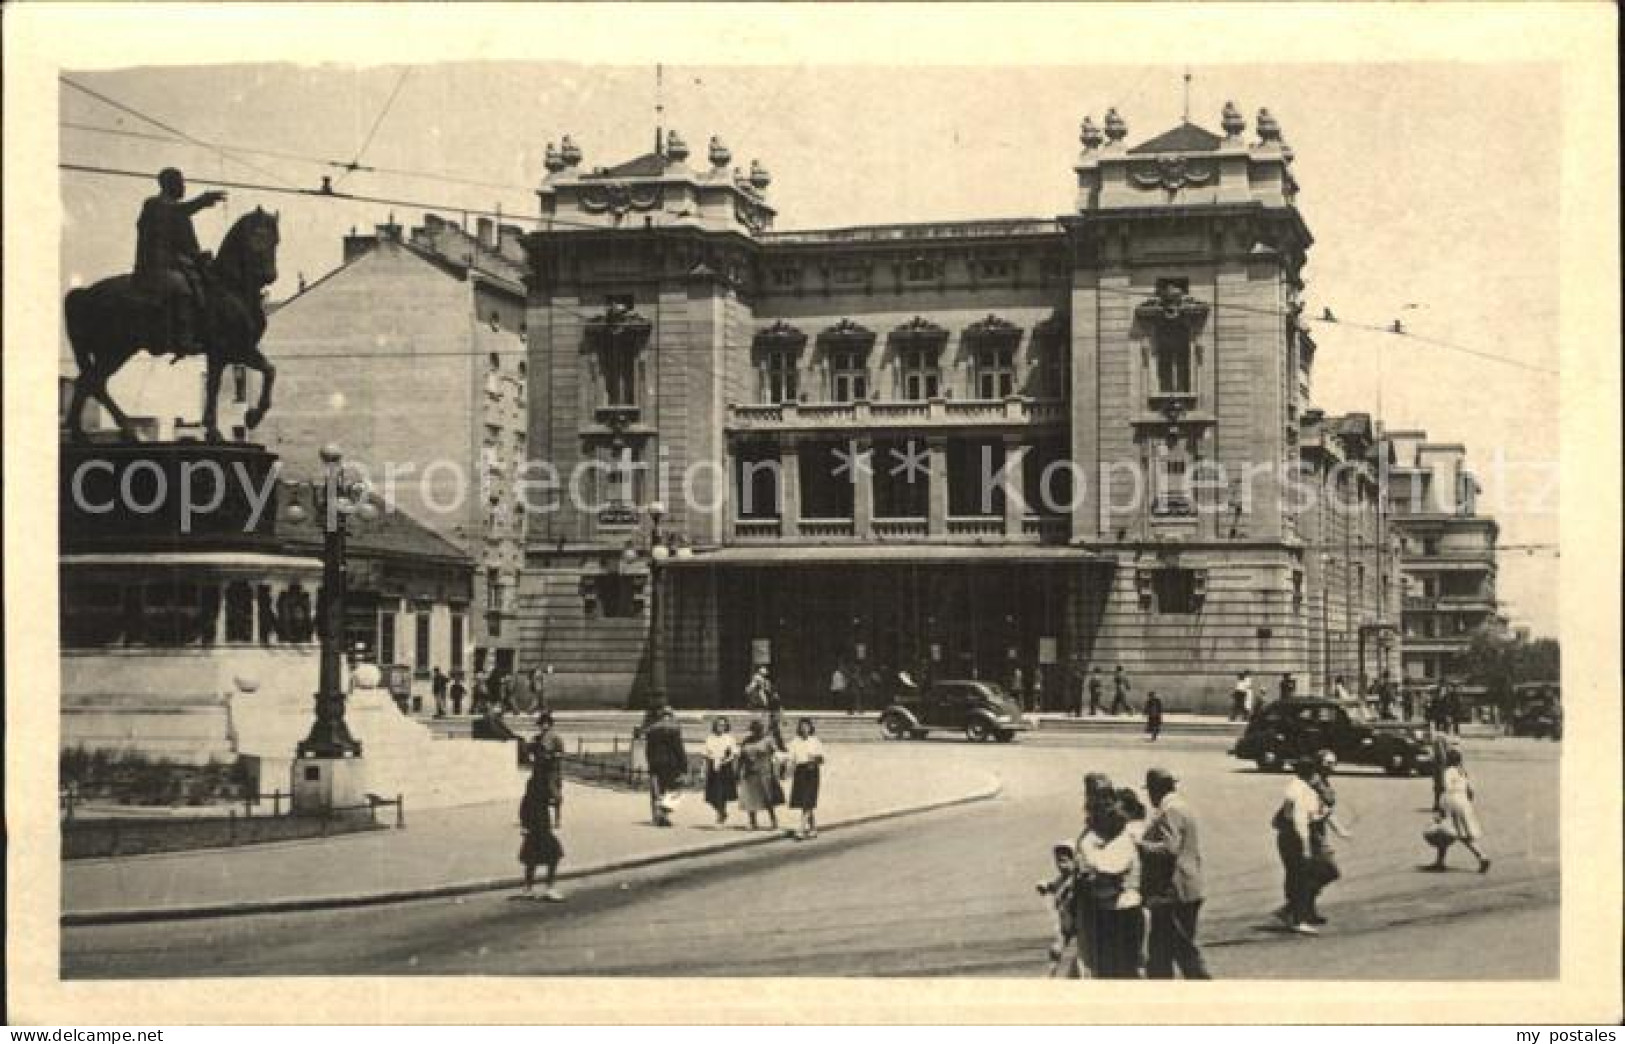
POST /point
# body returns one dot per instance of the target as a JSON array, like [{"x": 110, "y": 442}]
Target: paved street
[{"x": 951, "y": 892}]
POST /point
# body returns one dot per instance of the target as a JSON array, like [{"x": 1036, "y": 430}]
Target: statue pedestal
[{"x": 321, "y": 785}]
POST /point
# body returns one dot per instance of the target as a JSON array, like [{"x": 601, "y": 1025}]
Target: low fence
[
  {"x": 613, "y": 764},
  {"x": 87, "y": 836}
]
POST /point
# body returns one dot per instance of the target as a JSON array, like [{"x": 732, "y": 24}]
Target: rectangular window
[
  {"x": 995, "y": 373},
  {"x": 849, "y": 376},
  {"x": 459, "y": 626},
  {"x": 1174, "y": 590},
  {"x": 420, "y": 641},
  {"x": 756, "y": 480},
  {"x": 923, "y": 271},
  {"x": 616, "y": 595},
  {"x": 849, "y": 275},
  {"x": 493, "y": 590},
  {"x": 922, "y": 379},
  {"x": 994, "y": 269},
  {"x": 1430, "y": 546},
  {"x": 1173, "y": 487},
  {"x": 780, "y": 382},
  {"x": 786, "y": 277},
  {"x": 386, "y": 637}
]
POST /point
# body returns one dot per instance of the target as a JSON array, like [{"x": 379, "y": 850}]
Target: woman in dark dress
[{"x": 541, "y": 846}]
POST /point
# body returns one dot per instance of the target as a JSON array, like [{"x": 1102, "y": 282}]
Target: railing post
[
  {"x": 114, "y": 844},
  {"x": 400, "y": 811},
  {"x": 276, "y": 803},
  {"x": 231, "y": 827}
]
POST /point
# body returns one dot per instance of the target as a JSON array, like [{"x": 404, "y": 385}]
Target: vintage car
[
  {"x": 1538, "y": 710},
  {"x": 1287, "y": 731},
  {"x": 981, "y": 710}
]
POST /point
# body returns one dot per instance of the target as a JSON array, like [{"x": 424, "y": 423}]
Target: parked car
[
  {"x": 1538, "y": 710},
  {"x": 981, "y": 710},
  {"x": 1287, "y": 731}
]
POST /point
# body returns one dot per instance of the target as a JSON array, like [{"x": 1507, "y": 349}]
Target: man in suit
[{"x": 1171, "y": 881}]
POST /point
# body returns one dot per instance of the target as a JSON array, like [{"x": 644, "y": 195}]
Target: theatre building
[{"x": 966, "y": 449}]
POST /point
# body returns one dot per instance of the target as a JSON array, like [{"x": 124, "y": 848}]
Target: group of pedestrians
[
  {"x": 752, "y": 772},
  {"x": 503, "y": 691},
  {"x": 1128, "y": 871}
]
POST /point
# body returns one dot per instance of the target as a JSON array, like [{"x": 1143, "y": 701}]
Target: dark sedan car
[
  {"x": 1289, "y": 730},
  {"x": 981, "y": 710}
]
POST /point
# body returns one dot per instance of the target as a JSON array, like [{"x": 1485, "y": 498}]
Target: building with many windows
[
  {"x": 1448, "y": 555},
  {"x": 411, "y": 357},
  {"x": 969, "y": 449}
]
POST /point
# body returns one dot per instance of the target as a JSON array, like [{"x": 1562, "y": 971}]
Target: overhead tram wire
[
  {"x": 355, "y": 161},
  {"x": 431, "y": 207},
  {"x": 161, "y": 125},
  {"x": 425, "y": 175}
]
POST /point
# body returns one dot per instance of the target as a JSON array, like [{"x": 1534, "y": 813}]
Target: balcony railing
[
  {"x": 758, "y": 528},
  {"x": 895, "y": 413},
  {"x": 900, "y": 528},
  {"x": 975, "y": 526},
  {"x": 826, "y": 528}
]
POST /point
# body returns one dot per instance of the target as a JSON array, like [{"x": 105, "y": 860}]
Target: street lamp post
[
  {"x": 1326, "y": 624},
  {"x": 319, "y": 783},
  {"x": 658, "y": 552}
]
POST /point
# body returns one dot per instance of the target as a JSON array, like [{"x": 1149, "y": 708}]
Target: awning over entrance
[{"x": 902, "y": 554}]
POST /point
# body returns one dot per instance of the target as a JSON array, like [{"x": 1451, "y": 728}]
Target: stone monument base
[{"x": 321, "y": 786}]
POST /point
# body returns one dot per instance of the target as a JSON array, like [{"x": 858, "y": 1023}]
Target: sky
[{"x": 1432, "y": 190}]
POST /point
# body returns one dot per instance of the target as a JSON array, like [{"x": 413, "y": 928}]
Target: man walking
[
  {"x": 1171, "y": 881},
  {"x": 1153, "y": 715},
  {"x": 1241, "y": 697},
  {"x": 838, "y": 687},
  {"x": 1097, "y": 689},
  {"x": 439, "y": 690},
  {"x": 1294, "y": 822},
  {"x": 1289, "y": 685},
  {"x": 458, "y": 692},
  {"x": 668, "y": 764},
  {"x": 1120, "y": 704}
]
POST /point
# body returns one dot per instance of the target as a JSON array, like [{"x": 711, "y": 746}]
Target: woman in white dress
[
  {"x": 806, "y": 767},
  {"x": 1456, "y": 813},
  {"x": 721, "y": 765}
]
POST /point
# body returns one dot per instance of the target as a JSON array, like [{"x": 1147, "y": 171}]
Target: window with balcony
[
  {"x": 921, "y": 376},
  {"x": 780, "y": 381},
  {"x": 972, "y": 489},
  {"x": 849, "y": 376},
  {"x": 1173, "y": 348},
  {"x": 902, "y": 479},
  {"x": 756, "y": 480},
  {"x": 995, "y": 372},
  {"x": 828, "y": 479},
  {"x": 1173, "y": 486}
]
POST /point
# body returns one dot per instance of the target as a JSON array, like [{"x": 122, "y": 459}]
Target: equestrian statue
[{"x": 178, "y": 301}]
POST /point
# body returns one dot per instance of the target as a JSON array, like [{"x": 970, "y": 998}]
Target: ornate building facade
[{"x": 1033, "y": 446}]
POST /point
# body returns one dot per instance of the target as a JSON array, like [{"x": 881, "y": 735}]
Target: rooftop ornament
[
  {"x": 718, "y": 153},
  {"x": 760, "y": 179},
  {"x": 1116, "y": 129},
  {"x": 553, "y": 161},
  {"x": 1090, "y": 135},
  {"x": 569, "y": 152},
  {"x": 1269, "y": 131},
  {"x": 676, "y": 147},
  {"x": 1232, "y": 121}
]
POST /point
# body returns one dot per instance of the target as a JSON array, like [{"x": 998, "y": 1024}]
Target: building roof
[
  {"x": 1187, "y": 137},
  {"x": 393, "y": 534},
  {"x": 648, "y": 165}
]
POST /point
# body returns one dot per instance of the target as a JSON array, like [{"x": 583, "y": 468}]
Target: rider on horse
[{"x": 168, "y": 263}]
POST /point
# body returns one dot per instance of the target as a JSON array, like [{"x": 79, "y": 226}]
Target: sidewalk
[{"x": 475, "y": 848}]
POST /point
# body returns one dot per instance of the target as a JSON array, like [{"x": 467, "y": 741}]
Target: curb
[{"x": 494, "y": 884}]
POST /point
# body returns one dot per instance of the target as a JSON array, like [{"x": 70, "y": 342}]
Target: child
[
  {"x": 1061, "y": 890},
  {"x": 541, "y": 846}
]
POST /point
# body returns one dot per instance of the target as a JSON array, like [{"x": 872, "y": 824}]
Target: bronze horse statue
[{"x": 108, "y": 322}]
